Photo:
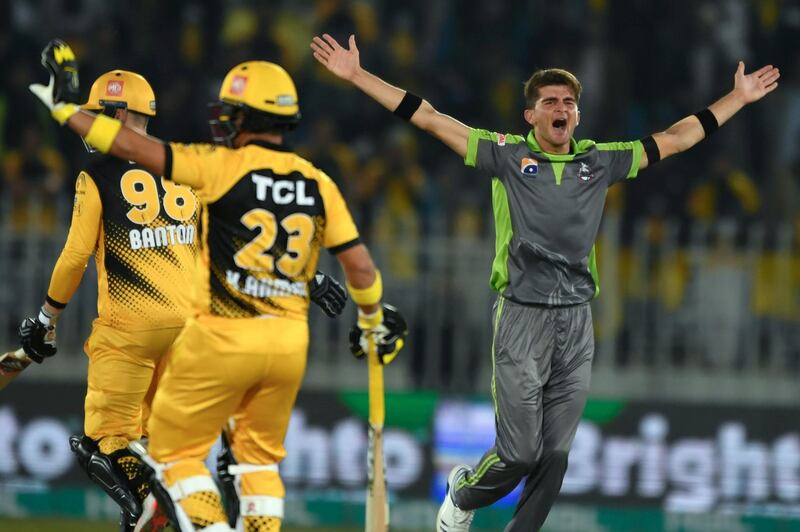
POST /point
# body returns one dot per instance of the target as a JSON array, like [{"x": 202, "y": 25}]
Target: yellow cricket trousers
[
  {"x": 122, "y": 379},
  {"x": 220, "y": 367}
]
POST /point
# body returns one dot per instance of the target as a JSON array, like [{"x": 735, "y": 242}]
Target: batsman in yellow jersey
[
  {"x": 266, "y": 213},
  {"x": 142, "y": 230}
]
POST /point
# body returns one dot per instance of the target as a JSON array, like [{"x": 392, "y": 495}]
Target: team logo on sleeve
[
  {"x": 529, "y": 166},
  {"x": 584, "y": 172}
]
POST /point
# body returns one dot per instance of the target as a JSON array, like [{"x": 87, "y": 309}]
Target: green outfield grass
[{"x": 59, "y": 525}]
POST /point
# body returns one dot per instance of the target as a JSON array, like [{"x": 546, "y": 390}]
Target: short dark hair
[{"x": 550, "y": 76}]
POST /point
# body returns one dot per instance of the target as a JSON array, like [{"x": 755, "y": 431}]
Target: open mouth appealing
[{"x": 560, "y": 123}]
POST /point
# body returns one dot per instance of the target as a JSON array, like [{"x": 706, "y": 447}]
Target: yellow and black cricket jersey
[
  {"x": 143, "y": 232},
  {"x": 266, "y": 213}
]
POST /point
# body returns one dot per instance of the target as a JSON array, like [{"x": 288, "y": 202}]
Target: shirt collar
[
  {"x": 534, "y": 146},
  {"x": 269, "y": 145}
]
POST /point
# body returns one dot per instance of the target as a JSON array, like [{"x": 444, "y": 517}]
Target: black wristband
[
  {"x": 54, "y": 303},
  {"x": 345, "y": 246},
  {"x": 708, "y": 121},
  {"x": 651, "y": 149},
  {"x": 408, "y": 106}
]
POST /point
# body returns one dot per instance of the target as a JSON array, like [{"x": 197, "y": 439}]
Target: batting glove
[
  {"x": 388, "y": 328},
  {"x": 60, "y": 95},
  {"x": 38, "y": 336},
  {"x": 326, "y": 292}
]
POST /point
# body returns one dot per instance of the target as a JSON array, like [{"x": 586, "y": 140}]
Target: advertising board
[{"x": 631, "y": 462}]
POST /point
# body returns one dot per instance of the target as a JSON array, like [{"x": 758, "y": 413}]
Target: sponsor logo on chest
[
  {"x": 585, "y": 172},
  {"x": 529, "y": 166}
]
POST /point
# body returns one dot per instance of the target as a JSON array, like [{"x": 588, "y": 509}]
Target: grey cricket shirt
[{"x": 547, "y": 210}]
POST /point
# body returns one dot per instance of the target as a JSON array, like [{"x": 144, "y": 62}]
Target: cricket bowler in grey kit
[{"x": 548, "y": 193}]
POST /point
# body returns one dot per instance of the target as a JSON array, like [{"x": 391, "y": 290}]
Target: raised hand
[
  {"x": 756, "y": 85},
  {"x": 342, "y": 62},
  {"x": 60, "y": 95},
  {"x": 59, "y": 60}
]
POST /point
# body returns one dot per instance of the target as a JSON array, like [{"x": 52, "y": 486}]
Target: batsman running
[
  {"x": 266, "y": 213},
  {"x": 142, "y": 231},
  {"x": 548, "y": 193}
]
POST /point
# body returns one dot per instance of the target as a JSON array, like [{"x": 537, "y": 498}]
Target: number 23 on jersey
[{"x": 256, "y": 255}]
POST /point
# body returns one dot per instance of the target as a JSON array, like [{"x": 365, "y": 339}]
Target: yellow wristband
[
  {"x": 370, "y": 295},
  {"x": 103, "y": 132},
  {"x": 63, "y": 111}
]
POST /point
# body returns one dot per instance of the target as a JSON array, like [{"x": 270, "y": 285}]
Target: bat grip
[{"x": 377, "y": 408}]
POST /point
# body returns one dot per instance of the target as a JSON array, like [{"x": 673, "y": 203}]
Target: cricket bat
[
  {"x": 11, "y": 365},
  {"x": 377, "y": 503}
]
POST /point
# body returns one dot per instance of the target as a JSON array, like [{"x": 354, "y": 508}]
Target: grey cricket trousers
[{"x": 542, "y": 359}]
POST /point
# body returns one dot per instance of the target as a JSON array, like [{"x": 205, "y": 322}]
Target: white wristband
[{"x": 44, "y": 317}]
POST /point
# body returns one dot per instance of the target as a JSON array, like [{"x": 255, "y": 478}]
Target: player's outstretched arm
[
  {"x": 106, "y": 134},
  {"x": 128, "y": 144},
  {"x": 682, "y": 135},
  {"x": 345, "y": 63}
]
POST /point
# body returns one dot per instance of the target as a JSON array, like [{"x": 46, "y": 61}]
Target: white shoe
[{"x": 450, "y": 517}]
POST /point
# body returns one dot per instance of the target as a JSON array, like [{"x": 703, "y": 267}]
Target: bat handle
[
  {"x": 377, "y": 408},
  {"x": 11, "y": 363}
]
